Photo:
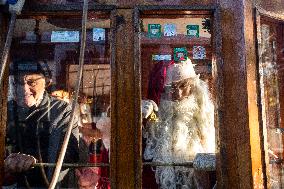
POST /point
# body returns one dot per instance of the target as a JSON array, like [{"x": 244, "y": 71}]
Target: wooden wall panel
[
  {"x": 253, "y": 89},
  {"x": 3, "y": 99},
  {"x": 127, "y": 3},
  {"x": 275, "y": 7}
]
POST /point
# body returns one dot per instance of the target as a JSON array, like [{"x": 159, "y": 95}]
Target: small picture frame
[
  {"x": 160, "y": 57},
  {"x": 180, "y": 54},
  {"x": 198, "y": 52},
  {"x": 192, "y": 31},
  {"x": 99, "y": 34},
  {"x": 170, "y": 30},
  {"x": 154, "y": 30}
]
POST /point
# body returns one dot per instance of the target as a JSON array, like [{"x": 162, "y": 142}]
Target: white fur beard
[
  {"x": 186, "y": 107},
  {"x": 175, "y": 138}
]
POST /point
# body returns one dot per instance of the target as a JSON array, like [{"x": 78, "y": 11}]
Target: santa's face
[{"x": 178, "y": 90}]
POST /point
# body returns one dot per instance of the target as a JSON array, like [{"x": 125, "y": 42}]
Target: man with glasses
[{"x": 36, "y": 129}]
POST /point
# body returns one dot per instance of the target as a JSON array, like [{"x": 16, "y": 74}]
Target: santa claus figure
[{"x": 183, "y": 128}]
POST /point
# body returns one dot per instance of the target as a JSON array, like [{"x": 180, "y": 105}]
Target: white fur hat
[{"x": 180, "y": 71}]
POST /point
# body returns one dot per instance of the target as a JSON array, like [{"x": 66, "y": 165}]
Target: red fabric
[
  {"x": 104, "y": 182},
  {"x": 157, "y": 80},
  {"x": 95, "y": 158}
]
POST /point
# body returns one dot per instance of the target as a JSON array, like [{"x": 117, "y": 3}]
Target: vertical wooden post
[
  {"x": 3, "y": 100},
  {"x": 240, "y": 149},
  {"x": 125, "y": 152}
]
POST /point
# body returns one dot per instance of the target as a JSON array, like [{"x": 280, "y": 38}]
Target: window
[
  {"x": 177, "y": 101},
  {"x": 45, "y": 57}
]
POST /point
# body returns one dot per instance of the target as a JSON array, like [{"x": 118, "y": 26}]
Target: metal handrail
[
  {"x": 77, "y": 165},
  {"x": 6, "y": 50}
]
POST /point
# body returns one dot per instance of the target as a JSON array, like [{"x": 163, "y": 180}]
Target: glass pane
[
  {"x": 271, "y": 80},
  {"x": 177, "y": 106},
  {"x": 42, "y": 81}
]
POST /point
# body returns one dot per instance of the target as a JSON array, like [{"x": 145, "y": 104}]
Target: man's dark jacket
[{"x": 41, "y": 134}]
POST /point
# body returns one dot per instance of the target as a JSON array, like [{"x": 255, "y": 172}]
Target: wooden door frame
[{"x": 270, "y": 17}]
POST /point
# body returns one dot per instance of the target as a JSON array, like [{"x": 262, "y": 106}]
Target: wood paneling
[
  {"x": 253, "y": 87},
  {"x": 3, "y": 99},
  {"x": 123, "y": 3}
]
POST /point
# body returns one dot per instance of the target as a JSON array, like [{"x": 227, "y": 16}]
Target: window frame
[
  {"x": 259, "y": 14},
  {"x": 217, "y": 76}
]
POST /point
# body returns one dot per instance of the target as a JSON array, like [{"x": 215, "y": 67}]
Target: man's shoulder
[
  {"x": 58, "y": 101},
  {"x": 59, "y": 104}
]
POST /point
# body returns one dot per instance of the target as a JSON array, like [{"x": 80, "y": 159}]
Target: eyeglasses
[
  {"x": 178, "y": 86},
  {"x": 30, "y": 82}
]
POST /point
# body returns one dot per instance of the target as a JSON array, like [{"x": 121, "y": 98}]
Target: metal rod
[
  {"x": 75, "y": 165},
  {"x": 72, "y": 165},
  {"x": 79, "y": 76},
  {"x": 186, "y": 164},
  {"x": 6, "y": 50}
]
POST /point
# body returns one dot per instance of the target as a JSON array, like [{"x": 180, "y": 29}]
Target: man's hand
[
  {"x": 16, "y": 163},
  {"x": 87, "y": 177}
]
